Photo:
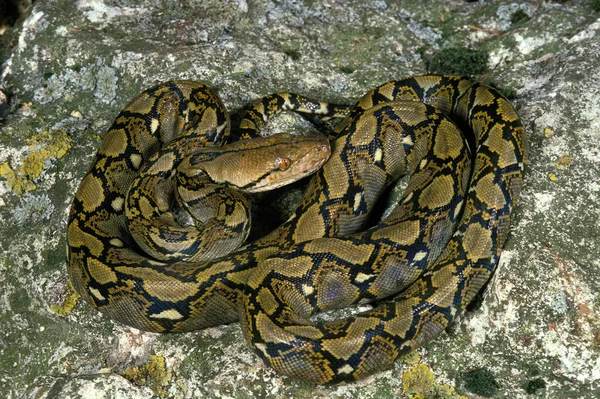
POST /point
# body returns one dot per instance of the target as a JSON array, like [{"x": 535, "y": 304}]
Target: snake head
[
  {"x": 265, "y": 163},
  {"x": 286, "y": 158}
]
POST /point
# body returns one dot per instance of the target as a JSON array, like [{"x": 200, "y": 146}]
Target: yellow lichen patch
[
  {"x": 153, "y": 375},
  {"x": 552, "y": 177},
  {"x": 447, "y": 391},
  {"x": 50, "y": 143},
  {"x": 45, "y": 145},
  {"x": 564, "y": 162},
  {"x": 33, "y": 165},
  {"x": 412, "y": 358},
  {"x": 548, "y": 132},
  {"x": 418, "y": 380},
  {"x": 419, "y": 383},
  {"x": 15, "y": 181},
  {"x": 68, "y": 304}
]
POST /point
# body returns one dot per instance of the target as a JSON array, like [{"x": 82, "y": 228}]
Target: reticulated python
[{"x": 422, "y": 264}]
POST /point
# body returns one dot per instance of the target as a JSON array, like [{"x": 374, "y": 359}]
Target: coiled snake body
[{"x": 421, "y": 265}]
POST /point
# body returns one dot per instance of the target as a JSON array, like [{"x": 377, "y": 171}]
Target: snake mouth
[
  {"x": 313, "y": 152},
  {"x": 314, "y": 159}
]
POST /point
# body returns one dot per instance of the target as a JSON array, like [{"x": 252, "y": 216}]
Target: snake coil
[{"x": 461, "y": 143}]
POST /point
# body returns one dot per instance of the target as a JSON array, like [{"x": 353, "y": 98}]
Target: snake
[{"x": 417, "y": 265}]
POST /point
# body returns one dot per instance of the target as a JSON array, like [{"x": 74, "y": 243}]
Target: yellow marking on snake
[
  {"x": 136, "y": 160},
  {"x": 117, "y": 203},
  {"x": 116, "y": 242},
  {"x": 154, "y": 125},
  {"x": 170, "y": 314}
]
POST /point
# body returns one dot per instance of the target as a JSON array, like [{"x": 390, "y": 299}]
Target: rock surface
[{"x": 74, "y": 64}]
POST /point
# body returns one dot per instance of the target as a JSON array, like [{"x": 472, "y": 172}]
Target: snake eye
[{"x": 284, "y": 163}]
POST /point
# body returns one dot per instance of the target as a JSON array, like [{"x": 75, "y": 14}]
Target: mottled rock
[{"x": 74, "y": 64}]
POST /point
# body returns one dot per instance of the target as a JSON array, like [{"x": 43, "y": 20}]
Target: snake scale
[{"x": 460, "y": 141}]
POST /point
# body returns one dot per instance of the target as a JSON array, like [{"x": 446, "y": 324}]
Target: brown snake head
[{"x": 265, "y": 163}]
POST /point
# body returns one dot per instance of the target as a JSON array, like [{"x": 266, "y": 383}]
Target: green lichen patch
[
  {"x": 458, "y": 61},
  {"x": 480, "y": 381},
  {"x": 153, "y": 374},
  {"x": 47, "y": 145},
  {"x": 518, "y": 16},
  {"x": 534, "y": 386},
  {"x": 508, "y": 92},
  {"x": 292, "y": 50}
]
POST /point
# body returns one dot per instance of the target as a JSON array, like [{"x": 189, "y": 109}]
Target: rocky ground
[{"x": 69, "y": 66}]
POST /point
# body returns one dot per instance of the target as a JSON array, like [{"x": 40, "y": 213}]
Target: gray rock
[{"x": 75, "y": 64}]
